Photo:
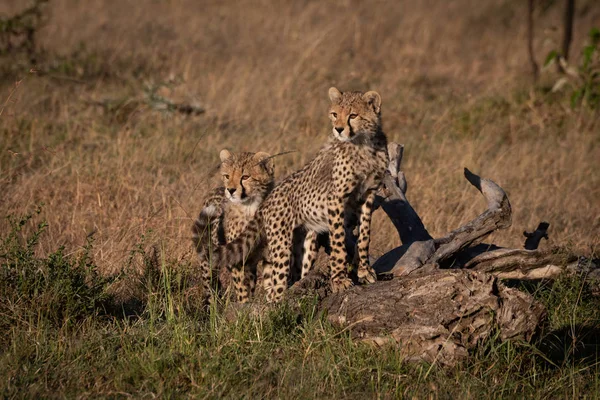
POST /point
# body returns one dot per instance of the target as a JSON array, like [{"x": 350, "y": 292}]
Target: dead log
[
  {"x": 437, "y": 317},
  {"x": 533, "y": 264},
  {"x": 522, "y": 264}
]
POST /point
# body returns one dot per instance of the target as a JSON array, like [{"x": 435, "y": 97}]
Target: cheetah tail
[
  {"x": 203, "y": 225},
  {"x": 235, "y": 253}
]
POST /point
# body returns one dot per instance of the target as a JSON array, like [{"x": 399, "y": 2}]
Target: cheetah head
[
  {"x": 354, "y": 113},
  {"x": 247, "y": 177}
]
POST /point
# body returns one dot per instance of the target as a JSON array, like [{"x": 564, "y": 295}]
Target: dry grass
[{"x": 453, "y": 77}]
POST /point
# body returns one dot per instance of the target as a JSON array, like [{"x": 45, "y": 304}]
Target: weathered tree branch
[
  {"x": 427, "y": 255},
  {"x": 497, "y": 216},
  {"x": 522, "y": 264}
]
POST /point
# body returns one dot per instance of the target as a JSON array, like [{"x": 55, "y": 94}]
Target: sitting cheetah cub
[
  {"x": 247, "y": 179},
  {"x": 342, "y": 179}
]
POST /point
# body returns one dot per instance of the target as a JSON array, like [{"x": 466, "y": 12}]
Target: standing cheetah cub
[
  {"x": 342, "y": 179},
  {"x": 247, "y": 179}
]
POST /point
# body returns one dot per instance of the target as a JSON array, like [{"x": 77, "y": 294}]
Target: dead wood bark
[
  {"x": 522, "y": 264},
  {"x": 437, "y": 317}
]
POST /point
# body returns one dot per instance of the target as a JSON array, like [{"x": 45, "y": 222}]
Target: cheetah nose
[
  {"x": 231, "y": 190},
  {"x": 340, "y": 130}
]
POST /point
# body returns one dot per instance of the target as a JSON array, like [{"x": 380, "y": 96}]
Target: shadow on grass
[{"x": 578, "y": 344}]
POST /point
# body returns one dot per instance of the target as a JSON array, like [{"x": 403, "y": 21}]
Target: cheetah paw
[
  {"x": 366, "y": 275},
  {"x": 340, "y": 284}
]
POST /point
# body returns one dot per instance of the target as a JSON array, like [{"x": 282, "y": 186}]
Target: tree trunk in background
[
  {"x": 568, "y": 27},
  {"x": 568, "y": 17},
  {"x": 534, "y": 66}
]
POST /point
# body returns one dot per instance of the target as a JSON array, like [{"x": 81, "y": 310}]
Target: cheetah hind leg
[
  {"x": 267, "y": 278},
  {"x": 206, "y": 280},
  {"x": 309, "y": 253},
  {"x": 250, "y": 278}
]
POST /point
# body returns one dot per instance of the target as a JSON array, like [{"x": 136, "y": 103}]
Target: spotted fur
[{"x": 339, "y": 181}]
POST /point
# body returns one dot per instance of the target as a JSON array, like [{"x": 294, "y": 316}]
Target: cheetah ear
[
  {"x": 266, "y": 160},
  {"x": 374, "y": 100},
  {"x": 334, "y": 95},
  {"x": 224, "y": 155}
]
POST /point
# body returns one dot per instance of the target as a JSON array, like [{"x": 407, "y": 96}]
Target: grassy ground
[
  {"x": 79, "y": 137},
  {"x": 65, "y": 337}
]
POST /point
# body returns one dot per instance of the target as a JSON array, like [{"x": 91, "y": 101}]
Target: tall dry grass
[{"x": 453, "y": 77}]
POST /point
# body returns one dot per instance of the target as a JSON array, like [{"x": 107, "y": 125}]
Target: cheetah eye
[
  {"x": 245, "y": 177},
  {"x": 353, "y": 116},
  {"x": 334, "y": 115},
  {"x": 225, "y": 176}
]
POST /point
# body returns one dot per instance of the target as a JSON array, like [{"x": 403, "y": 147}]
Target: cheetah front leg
[
  {"x": 365, "y": 272},
  {"x": 206, "y": 278},
  {"x": 337, "y": 259},
  {"x": 208, "y": 275}
]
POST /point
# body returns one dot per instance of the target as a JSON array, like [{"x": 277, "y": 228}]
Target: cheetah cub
[
  {"x": 341, "y": 180},
  {"x": 247, "y": 179}
]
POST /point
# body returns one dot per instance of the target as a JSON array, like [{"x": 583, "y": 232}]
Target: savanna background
[{"x": 101, "y": 178}]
